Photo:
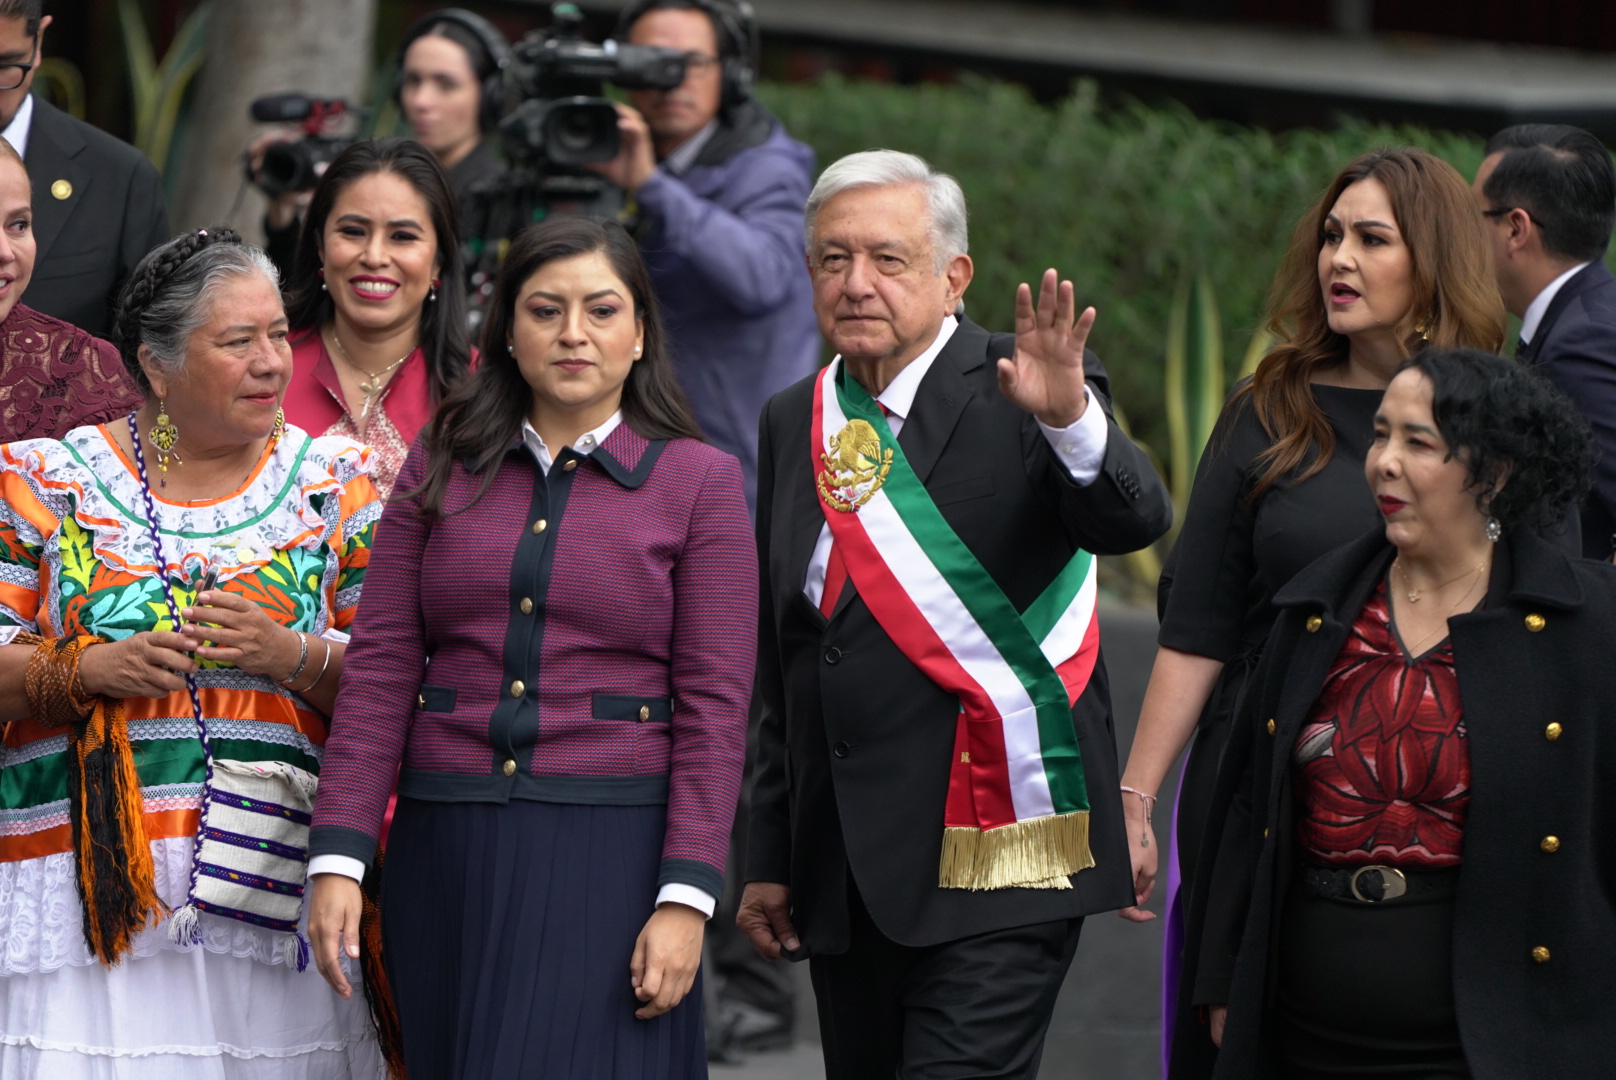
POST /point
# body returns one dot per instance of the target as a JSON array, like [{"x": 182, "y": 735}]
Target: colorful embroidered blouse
[
  {"x": 1382, "y": 772},
  {"x": 76, "y": 558}
]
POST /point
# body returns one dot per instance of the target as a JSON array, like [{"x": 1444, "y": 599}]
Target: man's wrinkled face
[{"x": 877, "y": 289}]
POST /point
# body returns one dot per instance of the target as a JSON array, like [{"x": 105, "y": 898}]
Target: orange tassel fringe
[{"x": 116, "y": 878}]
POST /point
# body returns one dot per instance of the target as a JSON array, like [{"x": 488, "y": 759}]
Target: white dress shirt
[
  {"x": 1539, "y": 306},
  {"x": 16, "y": 132},
  {"x": 688, "y": 895},
  {"x": 1080, "y": 447}
]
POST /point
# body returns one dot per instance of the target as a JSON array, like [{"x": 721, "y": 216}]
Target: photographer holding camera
[
  {"x": 450, "y": 88},
  {"x": 720, "y": 188}
]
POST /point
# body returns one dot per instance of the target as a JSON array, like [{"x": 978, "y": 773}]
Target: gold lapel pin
[{"x": 62, "y": 189}]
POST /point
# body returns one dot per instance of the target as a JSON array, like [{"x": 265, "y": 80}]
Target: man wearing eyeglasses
[
  {"x": 1548, "y": 193},
  {"x": 98, "y": 203}
]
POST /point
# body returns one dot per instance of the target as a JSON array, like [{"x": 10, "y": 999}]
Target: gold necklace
[
  {"x": 1415, "y": 594},
  {"x": 1414, "y": 650},
  {"x": 373, "y": 382}
]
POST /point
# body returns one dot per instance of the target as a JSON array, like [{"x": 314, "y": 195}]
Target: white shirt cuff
[
  {"x": 346, "y": 865},
  {"x": 688, "y": 895},
  {"x": 1081, "y": 447}
]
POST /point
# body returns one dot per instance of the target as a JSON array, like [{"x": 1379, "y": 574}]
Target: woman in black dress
[{"x": 1392, "y": 257}]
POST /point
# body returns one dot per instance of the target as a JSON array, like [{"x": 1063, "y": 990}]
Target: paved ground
[{"x": 1108, "y": 1016}]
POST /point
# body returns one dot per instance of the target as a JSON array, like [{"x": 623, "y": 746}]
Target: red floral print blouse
[{"x": 1381, "y": 769}]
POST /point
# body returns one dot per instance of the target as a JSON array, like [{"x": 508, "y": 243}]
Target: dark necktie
[{"x": 1523, "y": 350}]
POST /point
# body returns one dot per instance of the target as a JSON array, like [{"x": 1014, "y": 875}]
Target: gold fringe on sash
[{"x": 1036, "y": 854}]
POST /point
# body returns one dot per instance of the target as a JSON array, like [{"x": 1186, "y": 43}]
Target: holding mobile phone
[{"x": 210, "y": 578}]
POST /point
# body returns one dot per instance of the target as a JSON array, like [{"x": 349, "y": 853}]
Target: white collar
[
  {"x": 1539, "y": 306},
  {"x": 586, "y": 444},
  {"x": 682, "y": 158},
  {"x": 899, "y": 396},
  {"x": 16, "y": 132}
]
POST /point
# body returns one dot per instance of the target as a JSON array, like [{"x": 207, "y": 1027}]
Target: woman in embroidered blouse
[
  {"x": 54, "y": 377},
  {"x": 377, "y": 301},
  {"x": 557, "y": 642},
  {"x": 103, "y": 753},
  {"x": 1417, "y": 790}
]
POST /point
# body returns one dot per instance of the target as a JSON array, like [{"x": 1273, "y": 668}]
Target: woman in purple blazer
[{"x": 554, "y": 654}]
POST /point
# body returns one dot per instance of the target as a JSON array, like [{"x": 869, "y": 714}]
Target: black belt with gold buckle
[{"x": 1375, "y": 884}]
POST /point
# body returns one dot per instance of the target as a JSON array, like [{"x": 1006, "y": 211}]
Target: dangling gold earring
[
  {"x": 164, "y": 435},
  {"x": 280, "y": 426}
]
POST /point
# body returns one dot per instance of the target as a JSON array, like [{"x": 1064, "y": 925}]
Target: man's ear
[
  {"x": 959, "y": 272},
  {"x": 1522, "y": 230}
]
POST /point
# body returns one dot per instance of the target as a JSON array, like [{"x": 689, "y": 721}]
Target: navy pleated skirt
[{"x": 508, "y": 932}]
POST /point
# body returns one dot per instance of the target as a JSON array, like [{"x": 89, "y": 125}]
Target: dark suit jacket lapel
[
  {"x": 52, "y": 147},
  {"x": 1590, "y": 276},
  {"x": 941, "y": 398}
]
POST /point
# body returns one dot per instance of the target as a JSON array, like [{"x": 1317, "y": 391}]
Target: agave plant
[{"x": 159, "y": 86}]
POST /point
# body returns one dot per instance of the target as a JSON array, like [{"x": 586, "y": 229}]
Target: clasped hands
[
  {"x": 1045, "y": 376},
  {"x": 154, "y": 663}
]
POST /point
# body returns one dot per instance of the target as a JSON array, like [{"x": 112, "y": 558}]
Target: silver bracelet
[
  {"x": 1149, "y": 802},
  {"x": 321, "y": 674},
  {"x": 302, "y": 659}
]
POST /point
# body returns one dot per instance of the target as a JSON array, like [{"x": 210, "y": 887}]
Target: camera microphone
[{"x": 287, "y": 108}]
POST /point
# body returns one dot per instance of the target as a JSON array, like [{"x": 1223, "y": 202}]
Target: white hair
[{"x": 945, "y": 202}]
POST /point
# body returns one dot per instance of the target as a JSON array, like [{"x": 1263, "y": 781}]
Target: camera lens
[
  {"x": 284, "y": 168},
  {"x": 580, "y": 130}
]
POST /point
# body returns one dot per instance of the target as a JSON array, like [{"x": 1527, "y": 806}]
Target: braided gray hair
[{"x": 167, "y": 298}]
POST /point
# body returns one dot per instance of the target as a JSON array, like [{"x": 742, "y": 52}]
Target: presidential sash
[{"x": 1017, "y": 811}]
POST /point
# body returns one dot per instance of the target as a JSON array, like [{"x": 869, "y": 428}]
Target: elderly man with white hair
[{"x": 935, "y": 807}]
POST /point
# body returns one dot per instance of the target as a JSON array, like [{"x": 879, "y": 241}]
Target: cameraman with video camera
[
  {"x": 450, "y": 88},
  {"x": 720, "y": 189}
]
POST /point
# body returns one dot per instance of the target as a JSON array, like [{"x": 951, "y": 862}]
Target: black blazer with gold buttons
[{"x": 1534, "y": 924}]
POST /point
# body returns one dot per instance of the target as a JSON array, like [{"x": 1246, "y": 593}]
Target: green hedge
[{"x": 1127, "y": 202}]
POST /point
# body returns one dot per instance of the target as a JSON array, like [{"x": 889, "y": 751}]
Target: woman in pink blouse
[{"x": 377, "y": 301}]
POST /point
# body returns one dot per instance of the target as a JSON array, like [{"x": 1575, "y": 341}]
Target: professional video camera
[
  {"x": 296, "y": 166},
  {"x": 564, "y": 123}
]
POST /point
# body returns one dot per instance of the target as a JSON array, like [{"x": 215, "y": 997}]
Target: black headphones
[
  {"x": 735, "y": 23},
  {"x": 492, "y": 104}
]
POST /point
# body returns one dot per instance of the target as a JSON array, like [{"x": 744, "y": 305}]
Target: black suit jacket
[
  {"x": 89, "y": 242},
  {"x": 1517, "y": 1018},
  {"x": 855, "y": 742},
  {"x": 1575, "y": 346}
]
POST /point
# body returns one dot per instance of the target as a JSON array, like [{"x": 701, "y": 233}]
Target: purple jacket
[
  {"x": 582, "y": 638},
  {"x": 724, "y": 246}
]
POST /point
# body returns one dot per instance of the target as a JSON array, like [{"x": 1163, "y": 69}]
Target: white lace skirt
[{"x": 229, "y": 1009}]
